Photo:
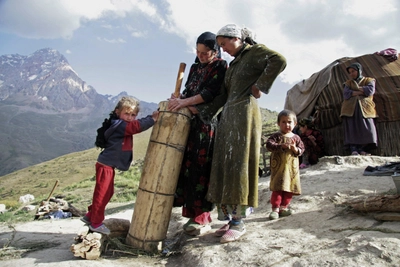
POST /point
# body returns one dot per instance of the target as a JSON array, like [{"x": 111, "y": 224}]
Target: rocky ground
[{"x": 324, "y": 231}]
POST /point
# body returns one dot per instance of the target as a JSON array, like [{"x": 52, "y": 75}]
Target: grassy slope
[
  {"x": 75, "y": 173},
  {"x": 28, "y": 138},
  {"x": 69, "y": 169}
]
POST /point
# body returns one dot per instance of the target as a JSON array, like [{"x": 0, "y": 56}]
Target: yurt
[{"x": 321, "y": 96}]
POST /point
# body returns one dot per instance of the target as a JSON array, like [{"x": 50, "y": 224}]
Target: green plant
[
  {"x": 81, "y": 184},
  {"x": 18, "y": 215},
  {"x": 11, "y": 204},
  {"x": 6, "y": 216},
  {"x": 124, "y": 196},
  {"x": 43, "y": 185}
]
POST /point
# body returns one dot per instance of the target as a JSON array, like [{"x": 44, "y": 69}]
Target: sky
[{"x": 136, "y": 46}]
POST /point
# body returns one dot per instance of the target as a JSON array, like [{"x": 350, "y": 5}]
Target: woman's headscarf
[
  {"x": 209, "y": 39},
  {"x": 357, "y": 66},
  {"x": 232, "y": 30}
]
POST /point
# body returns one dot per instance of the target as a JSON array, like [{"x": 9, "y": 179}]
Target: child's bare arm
[
  {"x": 299, "y": 148},
  {"x": 292, "y": 146}
]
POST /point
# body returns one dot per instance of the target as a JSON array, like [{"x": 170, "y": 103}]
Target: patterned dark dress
[
  {"x": 206, "y": 80},
  {"x": 313, "y": 153}
]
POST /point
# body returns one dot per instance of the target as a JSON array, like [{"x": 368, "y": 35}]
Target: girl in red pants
[
  {"x": 285, "y": 147},
  {"x": 117, "y": 154}
]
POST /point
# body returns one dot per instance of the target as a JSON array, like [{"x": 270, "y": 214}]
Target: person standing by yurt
[{"x": 358, "y": 112}]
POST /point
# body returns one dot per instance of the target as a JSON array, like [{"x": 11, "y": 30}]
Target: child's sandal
[
  {"x": 285, "y": 212},
  {"x": 274, "y": 215},
  {"x": 304, "y": 166}
]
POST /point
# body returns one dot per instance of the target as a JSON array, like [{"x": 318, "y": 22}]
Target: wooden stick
[
  {"x": 179, "y": 79},
  {"x": 52, "y": 191},
  {"x": 376, "y": 203}
]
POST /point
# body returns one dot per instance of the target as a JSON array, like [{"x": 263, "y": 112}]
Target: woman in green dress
[{"x": 234, "y": 172}]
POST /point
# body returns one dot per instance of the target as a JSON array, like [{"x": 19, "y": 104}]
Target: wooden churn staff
[{"x": 155, "y": 196}]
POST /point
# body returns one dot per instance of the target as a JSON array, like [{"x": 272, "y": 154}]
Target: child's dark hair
[
  {"x": 287, "y": 113},
  {"x": 309, "y": 122}
]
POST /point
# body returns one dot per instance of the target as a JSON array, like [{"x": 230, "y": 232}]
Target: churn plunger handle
[{"x": 179, "y": 79}]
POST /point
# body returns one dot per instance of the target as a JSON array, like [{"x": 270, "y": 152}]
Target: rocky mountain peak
[
  {"x": 47, "y": 110},
  {"x": 47, "y": 56},
  {"x": 47, "y": 78}
]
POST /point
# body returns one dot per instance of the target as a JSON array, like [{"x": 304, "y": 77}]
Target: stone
[{"x": 26, "y": 198}]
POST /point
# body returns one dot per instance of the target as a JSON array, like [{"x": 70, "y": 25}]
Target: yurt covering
[{"x": 321, "y": 96}]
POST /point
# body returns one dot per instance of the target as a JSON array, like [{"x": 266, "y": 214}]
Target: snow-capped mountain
[
  {"x": 47, "y": 79},
  {"x": 47, "y": 110}
]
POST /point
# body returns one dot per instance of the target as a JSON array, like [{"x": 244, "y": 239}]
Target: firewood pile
[
  {"x": 89, "y": 245},
  {"x": 57, "y": 207},
  {"x": 387, "y": 206},
  {"x": 389, "y": 203}
]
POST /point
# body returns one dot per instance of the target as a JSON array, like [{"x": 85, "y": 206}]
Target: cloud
[
  {"x": 139, "y": 34},
  {"x": 371, "y": 10},
  {"x": 112, "y": 41},
  {"x": 107, "y": 26},
  {"x": 47, "y": 18},
  {"x": 136, "y": 32},
  {"x": 188, "y": 19},
  {"x": 309, "y": 33},
  {"x": 50, "y": 19},
  {"x": 315, "y": 33},
  {"x": 68, "y": 51}
]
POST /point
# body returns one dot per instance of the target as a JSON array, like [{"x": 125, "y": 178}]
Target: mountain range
[{"x": 47, "y": 110}]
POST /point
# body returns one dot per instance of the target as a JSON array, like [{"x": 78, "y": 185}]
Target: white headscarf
[{"x": 232, "y": 30}]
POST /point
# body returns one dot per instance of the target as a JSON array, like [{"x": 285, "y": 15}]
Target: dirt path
[{"x": 322, "y": 232}]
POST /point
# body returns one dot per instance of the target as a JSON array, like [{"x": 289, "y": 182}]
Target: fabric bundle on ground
[{"x": 384, "y": 170}]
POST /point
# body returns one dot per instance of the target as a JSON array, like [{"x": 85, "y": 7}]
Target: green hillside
[{"x": 76, "y": 175}]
